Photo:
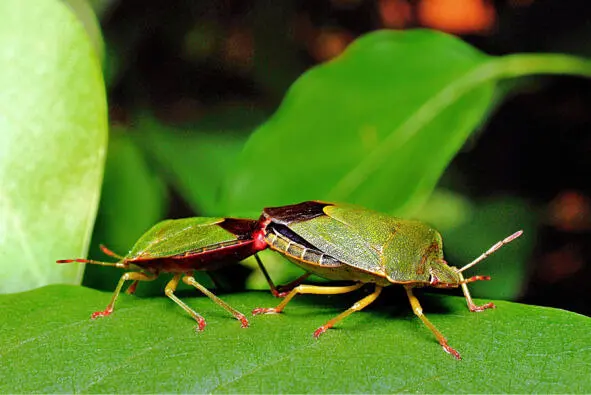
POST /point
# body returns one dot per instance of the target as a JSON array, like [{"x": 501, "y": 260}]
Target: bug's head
[{"x": 443, "y": 276}]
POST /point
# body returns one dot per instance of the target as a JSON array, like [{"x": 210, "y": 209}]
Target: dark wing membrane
[
  {"x": 289, "y": 234},
  {"x": 296, "y": 212},
  {"x": 241, "y": 228}
]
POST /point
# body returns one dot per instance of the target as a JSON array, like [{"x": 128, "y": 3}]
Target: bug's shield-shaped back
[{"x": 412, "y": 253}]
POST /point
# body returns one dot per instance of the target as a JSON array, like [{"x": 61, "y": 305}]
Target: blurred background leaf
[
  {"x": 377, "y": 126},
  {"x": 87, "y": 15},
  {"x": 138, "y": 200},
  {"x": 53, "y": 137},
  {"x": 197, "y": 158},
  {"x": 338, "y": 115},
  {"x": 492, "y": 220}
]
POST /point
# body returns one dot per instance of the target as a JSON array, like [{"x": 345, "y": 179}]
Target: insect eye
[{"x": 434, "y": 279}]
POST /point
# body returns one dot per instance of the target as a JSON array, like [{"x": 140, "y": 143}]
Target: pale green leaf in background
[
  {"x": 86, "y": 15},
  {"x": 53, "y": 136}
]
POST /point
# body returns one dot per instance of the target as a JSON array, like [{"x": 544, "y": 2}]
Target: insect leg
[
  {"x": 108, "y": 252},
  {"x": 137, "y": 276},
  {"x": 356, "y": 307},
  {"x": 284, "y": 290},
  {"x": 307, "y": 289},
  {"x": 418, "y": 310},
  {"x": 238, "y": 315},
  {"x": 132, "y": 287},
  {"x": 169, "y": 291},
  {"x": 281, "y": 290},
  {"x": 471, "y": 305}
]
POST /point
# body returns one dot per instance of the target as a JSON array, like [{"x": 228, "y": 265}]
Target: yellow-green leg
[
  {"x": 169, "y": 291},
  {"x": 306, "y": 289},
  {"x": 360, "y": 305},
  {"x": 418, "y": 310},
  {"x": 136, "y": 276},
  {"x": 238, "y": 315},
  {"x": 284, "y": 290}
]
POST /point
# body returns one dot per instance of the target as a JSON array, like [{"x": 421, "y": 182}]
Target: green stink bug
[
  {"x": 182, "y": 246},
  {"x": 344, "y": 242}
]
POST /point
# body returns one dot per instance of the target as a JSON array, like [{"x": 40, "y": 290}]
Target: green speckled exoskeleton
[{"x": 345, "y": 242}]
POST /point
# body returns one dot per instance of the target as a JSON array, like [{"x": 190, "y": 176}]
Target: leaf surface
[{"x": 149, "y": 345}]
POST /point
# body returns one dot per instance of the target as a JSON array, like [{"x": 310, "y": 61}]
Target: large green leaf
[
  {"x": 48, "y": 343},
  {"x": 378, "y": 125},
  {"x": 53, "y": 133}
]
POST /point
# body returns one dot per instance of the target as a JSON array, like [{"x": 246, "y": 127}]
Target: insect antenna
[
  {"x": 108, "y": 252},
  {"x": 475, "y": 278},
  {"x": 491, "y": 250},
  {"x": 79, "y": 260}
]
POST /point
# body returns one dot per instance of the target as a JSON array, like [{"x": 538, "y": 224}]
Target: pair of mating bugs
[{"x": 337, "y": 242}]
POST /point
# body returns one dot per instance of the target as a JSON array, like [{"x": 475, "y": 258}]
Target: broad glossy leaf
[
  {"x": 53, "y": 136},
  {"x": 378, "y": 125},
  {"x": 338, "y": 114},
  {"x": 49, "y": 344}
]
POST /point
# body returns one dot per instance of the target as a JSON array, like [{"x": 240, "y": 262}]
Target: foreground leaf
[
  {"x": 49, "y": 344},
  {"x": 53, "y": 134}
]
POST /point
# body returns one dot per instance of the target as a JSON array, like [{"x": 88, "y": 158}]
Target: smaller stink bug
[
  {"x": 345, "y": 242},
  {"x": 182, "y": 246}
]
